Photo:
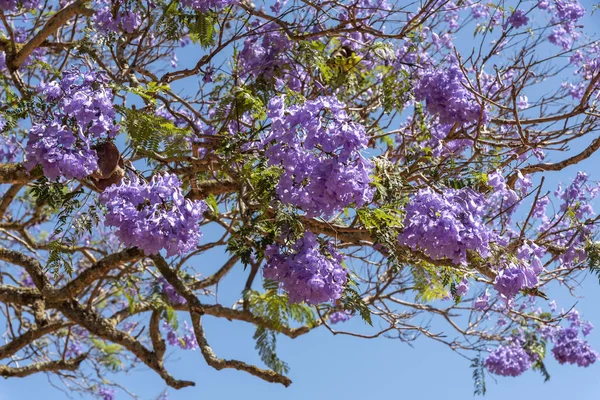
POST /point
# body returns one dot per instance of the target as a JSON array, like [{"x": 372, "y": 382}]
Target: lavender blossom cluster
[
  {"x": 569, "y": 348},
  {"x": 154, "y": 215},
  {"x": 565, "y": 15},
  {"x": 187, "y": 341},
  {"x": 169, "y": 291},
  {"x": 14, "y": 5},
  {"x": 508, "y": 360},
  {"x": 446, "y": 96},
  {"x": 63, "y": 143},
  {"x": 447, "y": 224},
  {"x": 307, "y": 273},
  {"x": 319, "y": 148},
  {"x": 124, "y": 20},
  {"x": 207, "y": 5}
]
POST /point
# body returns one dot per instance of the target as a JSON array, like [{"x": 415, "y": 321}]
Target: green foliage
[
  {"x": 153, "y": 133},
  {"x": 176, "y": 23},
  {"x": 109, "y": 354},
  {"x": 71, "y": 222},
  {"x": 278, "y": 312},
  {"x": 395, "y": 89},
  {"x": 472, "y": 179},
  {"x": 478, "y": 376},
  {"x": 352, "y": 301},
  {"x": 431, "y": 281},
  {"x": 263, "y": 180},
  {"x": 202, "y": 29},
  {"x": 592, "y": 251},
  {"x": 536, "y": 347},
  {"x": 266, "y": 344}
]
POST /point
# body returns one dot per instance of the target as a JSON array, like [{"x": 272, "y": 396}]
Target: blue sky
[{"x": 344, "y": 367}]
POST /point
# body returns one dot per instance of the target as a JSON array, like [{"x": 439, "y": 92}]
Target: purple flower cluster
[
  {"x": 566, "y": 13},
  {"x": 154, "y": 215},
  {"x": 169, "y": 291},
  {"x": 9, "y": 147},
  {"x": 518, "y": 19},
  {"x": 318, "y": 146},
  {"x": 569, "y": 348},
  {"x": 307, "y": 272},
  {"x": 125, "y": 20},
  {"x": 207, "y": 5},
  {"x": 339, "y": 316},
  {"x": 106, "y": 394},
  {"x": 63, "y": 144},
  {"x": 186, "y": 342},
  {"x": 14, "y": 5},
  {"x": 462, "y": 288},
  {"x": 265, "y": 57},
  {"x": 445, "y": 95},
  {"x": 447, "y": 224},
  {"x": 508, "y": 360},
  {"x": 482, "y": 302}
]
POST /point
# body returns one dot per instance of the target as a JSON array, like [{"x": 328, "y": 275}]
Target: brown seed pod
[{"x": 108, "y": 160}]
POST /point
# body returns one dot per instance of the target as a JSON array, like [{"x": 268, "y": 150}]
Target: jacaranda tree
[{"x": 387, "y": 161}]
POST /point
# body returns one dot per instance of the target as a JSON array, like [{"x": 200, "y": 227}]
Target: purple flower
[
  {"x": 522, "y": 102},
  {"x": 446, "y": 225},
  {"x": 586, "y": 328},
  {"x": 509, "y": 281},
  {"x": 561, "y": 37},
  {"x": 569, "y": 11},
  {"x": 168, "y": 290},
  {"x": 66, "y": 151},
  {"x": 462, "y": 288},
  {"x": 154, "y": 215},
  {"x": 445, "y": 95},
  {"x": 569, "y": 348},
  {"x": 306, "y": 272},
  {"x": 318, "y": 147},
  {"x": 9, "y": 146},
  {"x": 207, "y": 5},
  {"x": 106, "y": 394},
  {"x": 482, "y": 302},
  {"x": 339, "y": 316},
  {"x": 518, "y": 19},
  {"x": 508, "y": 360}
]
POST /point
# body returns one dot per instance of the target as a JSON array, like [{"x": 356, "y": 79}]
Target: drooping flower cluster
[
  {"x": 106, "y": 393},
  {"x": 339, "y": 316},
  {"x": 125, "y": 20},
  {"x": 63, "y": 144},
  {"x": 509, "y": 281},
  {"x": 447, "y": 224},
  {"x": 207, "y": 5},
  {"x": 154, "y": 215},
  {"x": 186, "y": 342},
  {"x": 566, "y": 13},
  {"x": 169, "y": 291},
  {"x": 518, "y": 19},
  {"x": 570, "y": 348},
  {"x": 446, "y": 96},
  {"x": 318, "y": 146},
  {"x": 14, "y": 5},
  {"x": 309, "y": 272},
  {"x": 508, "y": 360},
  {"x": 9, "y": 147}
]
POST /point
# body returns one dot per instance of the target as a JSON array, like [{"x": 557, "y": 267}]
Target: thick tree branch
[
  {"x": 17, "y": 174},
  {"x": 97, "y": 271},
  {"x": 32, "y": 266},
  {"x": 21, "y": 341},
  {"x": 50, "y": 366},
  {"x": 55, "y": 22}
]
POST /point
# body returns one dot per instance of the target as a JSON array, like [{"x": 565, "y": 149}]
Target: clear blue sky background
[{"x": 343, "y": 367}]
